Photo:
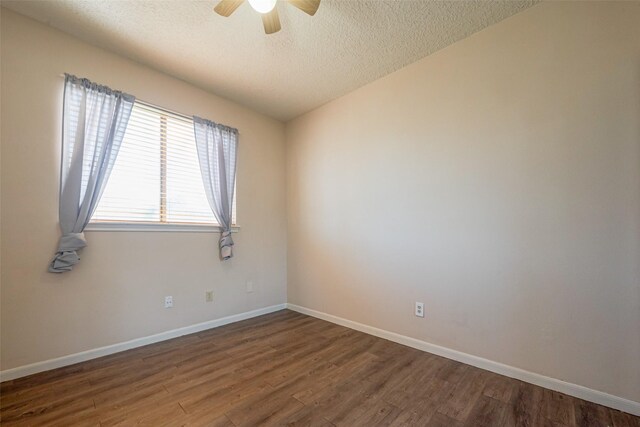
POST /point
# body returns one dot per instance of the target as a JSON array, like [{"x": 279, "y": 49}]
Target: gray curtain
[
  {"x": 94, "y": 122},
  {"x": 217, "y": 152}
]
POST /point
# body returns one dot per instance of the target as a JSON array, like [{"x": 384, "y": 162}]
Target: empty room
[{"x": 349, "y": 213}]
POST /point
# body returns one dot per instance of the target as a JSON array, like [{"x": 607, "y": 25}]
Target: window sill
[{"x": 135, "y": 227}]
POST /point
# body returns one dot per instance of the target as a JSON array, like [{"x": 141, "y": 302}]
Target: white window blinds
[{"x": 156, "y": 177}]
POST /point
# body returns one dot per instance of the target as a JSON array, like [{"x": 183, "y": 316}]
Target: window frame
[
  {"x": 149, "y": 226},
  {"x": 156, "y": 226}
]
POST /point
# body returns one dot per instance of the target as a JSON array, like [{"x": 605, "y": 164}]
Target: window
[{"x": 156, "y": 178}]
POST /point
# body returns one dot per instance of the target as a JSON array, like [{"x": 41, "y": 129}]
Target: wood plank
[
  {"x": 590, "y": 414},
  {"x": 374, "y": 414},
  {"x": 405, "y": 418},
  {"x": 622, "y": 419},
  {"x": 487, "y": 412},
  {"x": 500, "y": 387},
  {"x": 203, "y": 419},
  {"x": 307, "y": 417},
  {"x": 441, "y": 420},
  {"x": 266, "y": 407},
  {"x": 558, "y": 407},
  {"x": 460, "y": 401},
  {"x": 524, "y": 408}
]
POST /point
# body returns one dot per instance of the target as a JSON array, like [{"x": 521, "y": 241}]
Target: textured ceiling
[{"x": 311, "y": 61}]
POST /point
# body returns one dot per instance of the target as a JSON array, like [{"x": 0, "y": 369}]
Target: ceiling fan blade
[
  {"x": 307, "y": 6},
  {"x": 227, "y": 7},
  {"x": 271, "y": 22}
]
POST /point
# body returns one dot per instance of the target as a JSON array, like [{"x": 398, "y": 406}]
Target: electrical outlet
[
  {"x": 209, "y": 296},
  {"x": 249, "y": 286},
  {"x": 168, "y": 302},
  {"x": 419, "y": 309}
]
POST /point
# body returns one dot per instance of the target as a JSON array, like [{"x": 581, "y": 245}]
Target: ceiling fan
[{"x": 267, "y": 8}]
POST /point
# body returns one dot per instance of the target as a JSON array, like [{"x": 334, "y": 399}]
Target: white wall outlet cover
[
  {"x": 168, "y": 302},
  {"x": 420, "y": 309},
  {"x": 209, "y": 296},
  {"x": 249, "y": 286}
]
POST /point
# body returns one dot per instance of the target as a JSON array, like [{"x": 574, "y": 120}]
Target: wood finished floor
[{"x": 287, "y": 369}]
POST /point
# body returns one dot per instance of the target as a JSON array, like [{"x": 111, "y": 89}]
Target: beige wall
[
  {"x": 116, "y": 293},
  {"x": 497, "y": 181}
]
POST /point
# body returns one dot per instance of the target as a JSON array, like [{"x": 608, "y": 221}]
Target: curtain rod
[
  {"x": 166, "y": 110},
  {"x": 176, "y": 113}
]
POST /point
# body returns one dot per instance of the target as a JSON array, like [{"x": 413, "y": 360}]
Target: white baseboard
[
  {"x": 46, "y": 365},
  {"x": 575, "y": 390}
]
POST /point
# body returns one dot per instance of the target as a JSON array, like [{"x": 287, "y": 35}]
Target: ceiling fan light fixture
[
  {"x": 263, "y": 6},
  {"x": 266, "y": 8}
]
